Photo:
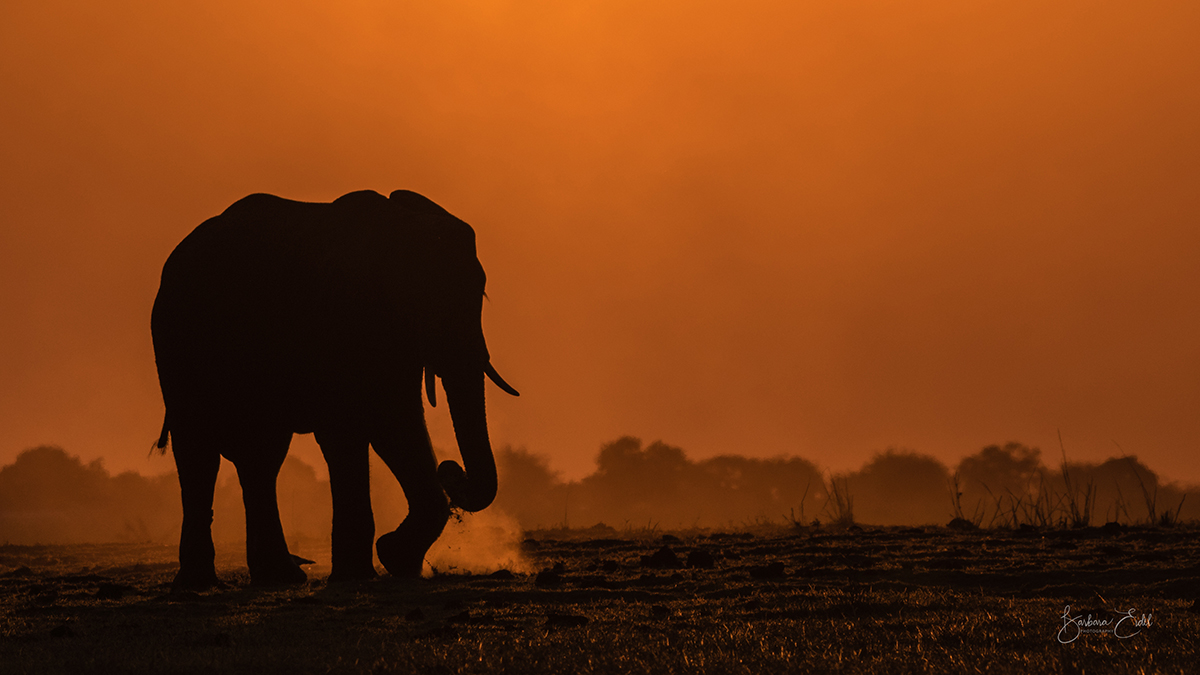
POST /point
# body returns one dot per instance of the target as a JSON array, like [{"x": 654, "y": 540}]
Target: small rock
[
  {"x": 548, "y": 578},
  {"x": 700, "y": 559},
  {"x": 62, "y": 631},
  {"x": 415, "y": 615},
  {"x": 503, "y": 575},
  {"x": 961, "y": 524},
  {"x": 773, "y": 570},
  {"x": 662, "y": 559}
]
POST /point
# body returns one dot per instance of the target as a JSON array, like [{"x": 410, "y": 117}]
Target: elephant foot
[
  {"x": 353, "y": 563},
  {"x": 400, "y": 556},
  {"x": 356, "y": 574},
  {"x": 283, "y": 574},
  {"x": 193, "y": 579}
]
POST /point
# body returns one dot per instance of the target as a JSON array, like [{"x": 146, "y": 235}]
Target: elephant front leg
[
  {"x": 353, "y": 521},
  {"x": 402, "y": 551},
  {"x": 197, "y": 466}
]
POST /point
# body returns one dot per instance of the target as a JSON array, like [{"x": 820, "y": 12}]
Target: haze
[{"x": 814, "y": 229}]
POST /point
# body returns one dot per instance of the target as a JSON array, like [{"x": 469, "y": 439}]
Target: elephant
[{"x": 279, "y": 317}]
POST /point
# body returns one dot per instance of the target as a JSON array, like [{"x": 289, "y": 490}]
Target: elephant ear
[{"x": 447, "y": 281}]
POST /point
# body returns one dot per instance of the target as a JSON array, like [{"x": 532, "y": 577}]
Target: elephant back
[{"x": 412, "y": 201}]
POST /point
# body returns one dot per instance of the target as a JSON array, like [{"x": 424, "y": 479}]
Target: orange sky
[{"x": 820, "y": 228}]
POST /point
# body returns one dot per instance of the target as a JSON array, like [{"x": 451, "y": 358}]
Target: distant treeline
[
  {"x": 49, "y": 496},
  {"x": 659, "y": 486}
]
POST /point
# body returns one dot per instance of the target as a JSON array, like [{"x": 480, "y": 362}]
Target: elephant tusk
[
  {"x": 490, "y": 371},
  {"x": 430, "y": 386}
]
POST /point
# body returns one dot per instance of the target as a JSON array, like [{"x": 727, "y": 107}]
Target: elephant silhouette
[{"x": 279, "y": 317}]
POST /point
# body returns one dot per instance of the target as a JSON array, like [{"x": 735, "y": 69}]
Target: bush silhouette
[{"x": 901, "y": 487}]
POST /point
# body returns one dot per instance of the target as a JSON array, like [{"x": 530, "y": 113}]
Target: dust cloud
[{"x": 479, "y": 543}]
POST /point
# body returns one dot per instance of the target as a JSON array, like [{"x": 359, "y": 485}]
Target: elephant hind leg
[
  {"x": 258, "y": 460},
  {"x": 402, "y": 551},
  {"x": 197, "y": 464}
]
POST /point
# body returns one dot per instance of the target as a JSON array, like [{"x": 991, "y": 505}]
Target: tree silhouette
[
  {"x": 996, "y": 476},
  {"x": 901, "y": 487}
]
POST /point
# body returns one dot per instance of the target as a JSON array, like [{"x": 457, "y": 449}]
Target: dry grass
[
  {"x": 1080, "y": 500},
  {"x": 870, "y": 600},
  {"x": 839, "y": 507}
]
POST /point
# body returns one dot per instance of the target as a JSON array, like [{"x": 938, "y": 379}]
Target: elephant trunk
[{"x": 474, "y": 489}]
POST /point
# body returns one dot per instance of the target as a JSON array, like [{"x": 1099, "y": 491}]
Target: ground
[{"x": 786, "y": 600}]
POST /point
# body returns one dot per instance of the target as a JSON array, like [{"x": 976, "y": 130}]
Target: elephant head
[{"x": 453, "y": 347}]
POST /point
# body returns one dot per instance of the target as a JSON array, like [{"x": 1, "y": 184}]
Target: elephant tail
[{"x": 163, "y": 437}]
